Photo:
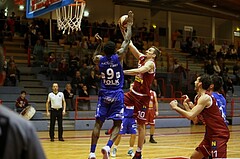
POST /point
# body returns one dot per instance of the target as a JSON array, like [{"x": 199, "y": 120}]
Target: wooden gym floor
[{"x": 172, "y": 143}]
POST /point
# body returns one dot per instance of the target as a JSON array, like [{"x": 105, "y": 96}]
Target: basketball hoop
[{"x": 69, "y": 17}]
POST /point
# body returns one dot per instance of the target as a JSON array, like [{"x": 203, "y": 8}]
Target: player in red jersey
[
  {"x": 152, "y": 112},
  {"x": 139, "y": 96},
  {"x": 214, "y": 144}
]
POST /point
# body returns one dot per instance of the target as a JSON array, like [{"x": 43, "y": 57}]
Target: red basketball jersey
[
  {"x": 152, "y": 103},
  {"x": 143, "y": 81},
  {"x": 215, "y": 125}
]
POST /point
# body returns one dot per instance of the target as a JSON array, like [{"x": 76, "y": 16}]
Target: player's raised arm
[
  {"x": 137, "y": 54},
  {"x": 127, "y": 37},
  {"x": 96, "y": 55},
  {"x": 132, "y": 48}
]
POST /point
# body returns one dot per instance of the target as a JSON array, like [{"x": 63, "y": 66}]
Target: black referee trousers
[{"x": 56, "y": 114}]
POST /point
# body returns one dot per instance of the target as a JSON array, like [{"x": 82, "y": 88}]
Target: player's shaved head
[{"x": 109, "y": 48}]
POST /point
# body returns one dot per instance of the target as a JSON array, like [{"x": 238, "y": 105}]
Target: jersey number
[
  {"x": 110, "y": 74},
  {"x": 141, "y": 114}
]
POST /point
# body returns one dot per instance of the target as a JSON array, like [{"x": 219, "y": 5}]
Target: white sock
[
  {"x": 139, "y": 149},
  {"x": 130, "y": 148}
]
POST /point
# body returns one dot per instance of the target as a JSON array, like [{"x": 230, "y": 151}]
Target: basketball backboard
[{"x": 35, "y": 8}]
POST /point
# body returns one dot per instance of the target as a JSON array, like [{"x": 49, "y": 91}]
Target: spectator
[
  {"x": 208, "y": 67},
  {"x": 84, "y": 43},
  {"x": 234, "y": 54},
  {"x": 178, "y": 68},
  {"x": 11, "y": 26},
  {"x": 216, "y": 67},
  {"x": 84, "y": 93},
  {"x": 227, "y": 82},
  {"x": 175, "y": 35},
  {"x": 211, "y": 47},
  {"x": 236, "y": 72},
  {"x": 51, "y": 57},
  {"x": 38, "y": 52},
  {"x": 68, "y": 95},
  {"x": 220, "y": 54},
  {"x": 63, "y": 70},
  {"x": 89, "y": 60},
  {"x": 73, "y": 63},
  {"x": 155, "y": 87},
  {"x": 92, "y": 83},
  {"x": 21, "y": 102},
  {"x": 71, "y": 39},
  {"x": 53, "y": 69},
  {"x": 84, "y": 70},
  {"x": 12, "y": 74},
  {"x": 2, "y": 20},
  {"x": 195, "y": 47},
  {"x": 77, "y": 82}
]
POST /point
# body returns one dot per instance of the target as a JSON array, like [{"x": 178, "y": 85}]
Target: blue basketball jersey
[
  {"x": 221, "y": 103},
  {"x": 111, "y": 72}
]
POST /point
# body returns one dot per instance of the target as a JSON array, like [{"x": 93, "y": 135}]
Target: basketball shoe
[
  {"x": 130, "y": 153},
  {"x": 92, "y": 156},
  {"x": 137, "y": 155},
  {"x": 106, "y": 152},
  {"x": 114, "y": 152},
  {"x": 152, "y": 141}
]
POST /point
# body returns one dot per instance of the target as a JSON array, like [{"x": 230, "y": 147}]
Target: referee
[{"x": 58, "y": 109}]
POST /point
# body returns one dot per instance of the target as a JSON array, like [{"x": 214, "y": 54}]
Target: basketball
[{"x": 122, "y": 22}]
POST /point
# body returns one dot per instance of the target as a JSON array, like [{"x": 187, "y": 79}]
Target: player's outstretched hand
[
  {"x": 130, "y": 18},
  {"x": 174, "y": 104}
]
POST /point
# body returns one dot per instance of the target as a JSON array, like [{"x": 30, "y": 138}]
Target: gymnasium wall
[{"x": 105, "y": 10}]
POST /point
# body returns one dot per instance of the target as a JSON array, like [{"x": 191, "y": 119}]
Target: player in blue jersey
[
  {"x": 216, "y": 89},
  {"x": 129, "y": 126},
  {"x": 111, "y": 97}
]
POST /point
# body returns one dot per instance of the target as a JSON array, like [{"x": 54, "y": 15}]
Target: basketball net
[{"x": 69, "y": 17}]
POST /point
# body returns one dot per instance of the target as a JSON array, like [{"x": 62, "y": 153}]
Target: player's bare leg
[
  {"x": 197, "y": 155},
  {"x": 141, "y": 137},
  {"x": 95, "y": 137},
  {"x": 115, "y": 130},
  {"x": 116, "y": 143},
  {"x": 152, "y": 130},
  {"x": 131, "y": 145}
]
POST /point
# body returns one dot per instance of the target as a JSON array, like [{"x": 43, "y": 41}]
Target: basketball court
[{"x": 173, "y": 143}]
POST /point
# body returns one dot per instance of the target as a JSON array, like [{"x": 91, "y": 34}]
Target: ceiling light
[
  {"x": 214, "y": 5},
  {"x": 154, "y": 26}
]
